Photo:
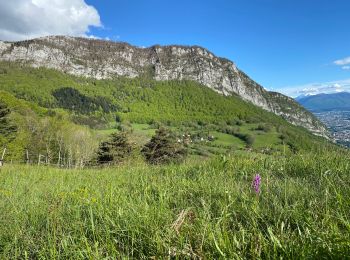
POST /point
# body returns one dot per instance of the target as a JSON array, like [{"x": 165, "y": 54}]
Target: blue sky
[
  {"x": 279, "y": 43},
  {"x": 285, "y": 45}
]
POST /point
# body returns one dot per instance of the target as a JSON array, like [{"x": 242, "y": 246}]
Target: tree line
[{"x": 54, "y": 140}]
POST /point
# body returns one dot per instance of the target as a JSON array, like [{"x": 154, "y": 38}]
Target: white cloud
[
  {"x": 316, "y": 88},
  {"x": 346, "y": 67},
  {"x": 342, "y": 62},
  {"x": 25, "y": 19}
]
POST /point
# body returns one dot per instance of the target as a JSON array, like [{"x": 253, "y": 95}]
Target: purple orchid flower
[{"x": 256, "y": 183}]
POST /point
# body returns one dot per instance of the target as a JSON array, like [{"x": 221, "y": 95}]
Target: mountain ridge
[
  {"x": 104, "y": 59},
  {"x": 326, "y": 102}
]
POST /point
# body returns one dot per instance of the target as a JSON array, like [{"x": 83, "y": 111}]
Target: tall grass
[{"x": 204, "y": 210}]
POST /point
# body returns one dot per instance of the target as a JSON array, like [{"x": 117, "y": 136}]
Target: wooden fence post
[
  {"x": 39, "y": 159},
  {"x": 2, "y": 158},
  {"x": 3, "y": 154},
  {"x": 27, "y": 157}
]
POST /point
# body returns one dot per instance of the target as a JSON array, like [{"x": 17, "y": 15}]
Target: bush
[
  {"x": 264, "y": 127},
  {"x": 249, "y": 139},
  {"x": 115, "y": 150},
  {"x": 118, "y": 118},
  {"x": 283, "y": 137},
  {"x": 163, "y": 148},
  {"x": 125, "y": 128},
  {"x": 239, "y": 122},
  {"x": 153, "y": 124}
]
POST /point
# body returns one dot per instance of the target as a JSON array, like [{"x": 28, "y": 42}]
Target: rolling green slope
[
  {"x": 185, "y": 106},
  {"x": 137, "y": 100}
]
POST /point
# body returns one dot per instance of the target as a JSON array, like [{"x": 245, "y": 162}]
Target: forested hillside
[
  {"x": 56, "y": 114},
  {"x": 137, "y": 100}
]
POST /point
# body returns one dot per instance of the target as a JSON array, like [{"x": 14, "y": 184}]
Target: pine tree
[
  {"x": 163, "y": 148},
  {"x": 7, "y": 128},
  {"x": 115, "y": 150}
]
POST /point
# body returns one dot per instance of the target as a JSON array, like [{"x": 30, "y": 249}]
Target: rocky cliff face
[{"x": 104, "y": 59}]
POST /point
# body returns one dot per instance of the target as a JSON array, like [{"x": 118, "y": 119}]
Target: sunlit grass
[{"x": 195, "y": 210}]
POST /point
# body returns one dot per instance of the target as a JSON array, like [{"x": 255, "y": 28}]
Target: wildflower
[{"x": 256, "y": 183}]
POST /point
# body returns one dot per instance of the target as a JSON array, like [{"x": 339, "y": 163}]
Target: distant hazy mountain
[{"x": 325, "y": 102}]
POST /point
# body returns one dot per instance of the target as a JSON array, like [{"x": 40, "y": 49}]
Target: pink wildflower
[{"x": 256, "y": 183}]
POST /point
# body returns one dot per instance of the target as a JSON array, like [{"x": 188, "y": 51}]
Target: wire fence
[
  {"x": 62, "y": 164},
  {"x": 90, "y": 164},
  {"x": 57, "y": 161}
]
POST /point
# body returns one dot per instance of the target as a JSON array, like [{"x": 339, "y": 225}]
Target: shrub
[
  {"x": 201, "y": 123},
  {"x": 239, "y": 122},
  {"x": 153, "y": 124},
  {"x": 127, "y": 128},
  {"x": 118, "y": 118},
  {"x": 283, "y": 137},
  {"x": 163, "y": 148},
  {"x": 264, "y": 127},
  {"x": 249, "y": 139}
]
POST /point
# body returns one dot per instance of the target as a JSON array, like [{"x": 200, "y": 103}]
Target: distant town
[{"x": 338, "y": 122}]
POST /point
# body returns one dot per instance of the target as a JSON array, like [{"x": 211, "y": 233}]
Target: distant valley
[
  {"x": 338, "y": 123},
  {"x": 334, "y": 111}
]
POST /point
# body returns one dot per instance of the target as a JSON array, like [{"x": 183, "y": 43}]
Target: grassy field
[
  {"x": 222, "y": 144},
  {"x": 196, "y": 210}
]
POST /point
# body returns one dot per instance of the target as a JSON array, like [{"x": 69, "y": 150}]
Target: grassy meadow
[{"x": 190, "y": 211}]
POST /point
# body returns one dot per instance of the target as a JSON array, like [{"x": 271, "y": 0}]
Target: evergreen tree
[
  {"x": 163, "y": 148},
  {"x": 116, "y": 149},
  {"x": 7, "y": 128}
]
